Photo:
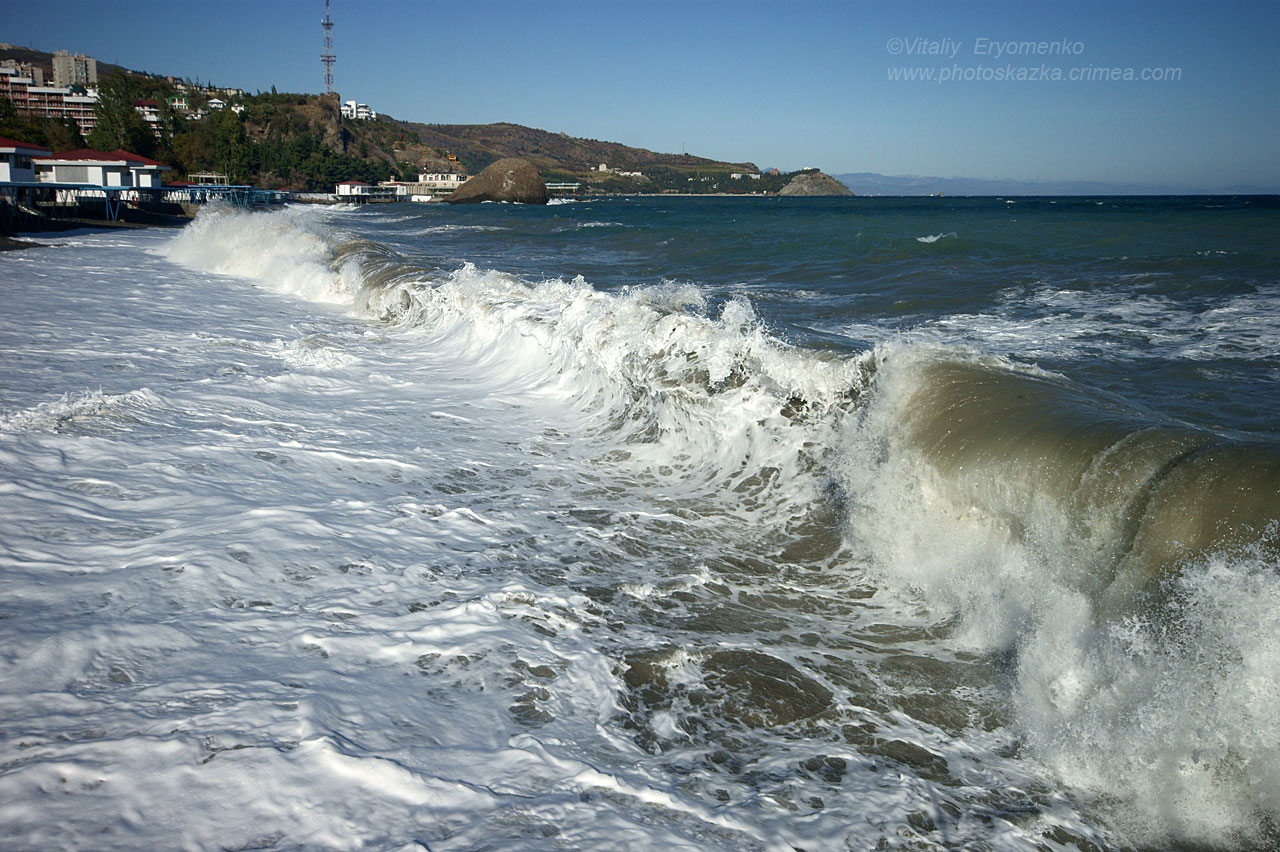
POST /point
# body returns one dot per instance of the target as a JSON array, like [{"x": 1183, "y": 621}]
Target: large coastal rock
[
  {"x": 509, "y": 179},
  {"x": 814, "y": 183}
]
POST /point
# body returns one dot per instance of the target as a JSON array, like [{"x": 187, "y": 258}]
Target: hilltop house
[
  {"x": 149, "y": 109},
  {"x": 99, "y": 168},
  {"x": 15, "y": 160},
  {"x": 363, "y": 112}
]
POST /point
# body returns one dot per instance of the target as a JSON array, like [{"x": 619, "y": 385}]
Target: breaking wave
[{"x": 1124, "y": 564}]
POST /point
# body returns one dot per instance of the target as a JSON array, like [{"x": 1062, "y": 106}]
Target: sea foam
[{"x": 650, "y": 368}]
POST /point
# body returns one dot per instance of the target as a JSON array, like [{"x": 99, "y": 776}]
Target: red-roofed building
[
  {"x": 149, "y": 109},
  {"x": 15, "y": 160},
  {"x": 100, "y": 168}
]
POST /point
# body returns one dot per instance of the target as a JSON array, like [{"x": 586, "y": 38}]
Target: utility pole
[{"x": 327, "y": 58}]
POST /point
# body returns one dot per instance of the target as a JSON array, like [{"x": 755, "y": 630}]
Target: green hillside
[{"x": 301, "y": 141}]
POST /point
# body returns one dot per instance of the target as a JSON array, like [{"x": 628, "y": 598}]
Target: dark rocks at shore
[
  {"x": 39, "y": 224},
  {"x": 508, "y": 179},
  {"x": 8, "y": 243},
  {"x": 815, "y": 184}
]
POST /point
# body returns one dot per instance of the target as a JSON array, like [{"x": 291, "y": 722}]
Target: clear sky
[{"x": 801, "y": 83}]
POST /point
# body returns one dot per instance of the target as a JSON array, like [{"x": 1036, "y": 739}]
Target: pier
[
  {"x": 561, "y": 189},
  {"x": 26, "y": 206}
]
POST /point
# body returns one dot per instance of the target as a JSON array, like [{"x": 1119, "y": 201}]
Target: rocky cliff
[
  {"x": 815, "y": 184},
  {"x": 510, "y": 179}
]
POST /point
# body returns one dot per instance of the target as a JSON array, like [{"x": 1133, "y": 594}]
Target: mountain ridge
[
  {"x": 549, "y": 150},
  {"x": 871, "y": 183}
]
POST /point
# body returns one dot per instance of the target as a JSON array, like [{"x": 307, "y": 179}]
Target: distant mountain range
[{"x": 869, "y": 183}]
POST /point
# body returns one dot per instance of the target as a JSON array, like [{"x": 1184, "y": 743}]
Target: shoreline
[
  {"x": 8, "y": 243},
  {"x": 12, "y": 241}
]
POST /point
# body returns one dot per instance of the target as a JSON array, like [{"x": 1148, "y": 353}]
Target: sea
[{"x": 645, "y": 523}]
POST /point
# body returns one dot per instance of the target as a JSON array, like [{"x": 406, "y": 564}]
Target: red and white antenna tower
[{"x": 327, "y": 58}]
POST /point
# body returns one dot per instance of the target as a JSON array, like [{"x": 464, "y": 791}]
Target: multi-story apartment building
[
  {"x": 74, "y": 70},
  {"x": 27, "y": 95}
]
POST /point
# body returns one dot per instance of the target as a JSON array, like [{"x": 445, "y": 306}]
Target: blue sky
[{"x": 805, "y": 83}]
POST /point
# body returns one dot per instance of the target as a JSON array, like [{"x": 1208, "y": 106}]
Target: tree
[
  {"x": 119, "y": 125},
  {"x": 230, "y": 145},
  {"x": 58, "y": 134},
  {"x": 64, "y": 134},
  {"x": 16, "y": 126}
]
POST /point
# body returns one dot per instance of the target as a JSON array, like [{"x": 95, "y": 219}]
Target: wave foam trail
[
  {"x": 1130, "y": 565},
  {"x": 648, "y": 369},
  {"x": 644, "y": 341},
  {"x": 56, "y": 414}
]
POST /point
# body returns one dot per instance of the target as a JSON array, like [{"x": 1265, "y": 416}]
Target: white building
[
  {"x": 358, "y": 191},
  {"x": 99, "y": 168},
  {"x": 433, "y": 180},
  {"x": 351, "y": 109},
  {"x": 149, "y": 110},
  {"x": 741, "y": 175},
  {"x": 428, "y": 187},
  {"x": 217, "y": 103},
  {"x": 15, "y": 160}
]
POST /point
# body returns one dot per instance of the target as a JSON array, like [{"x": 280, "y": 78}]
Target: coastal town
[
  {"x": 40, "y": 183},
  {"x": 82, "y": 140}
]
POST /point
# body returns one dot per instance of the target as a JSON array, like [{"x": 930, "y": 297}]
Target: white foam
[
  {"x": 382, "y": 544},
  {"x": 1178, "y": 714},
  {"x": 579, "y": 226},
  {"x": 311, "y": 590},
  {"x": 72, "y": 406},
  {"x": 1169, "y": 722},
  {"x": 284, "y": 250},
  {"x": 456, "y": 228},
  {"x": 1074, "y": 324}
]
